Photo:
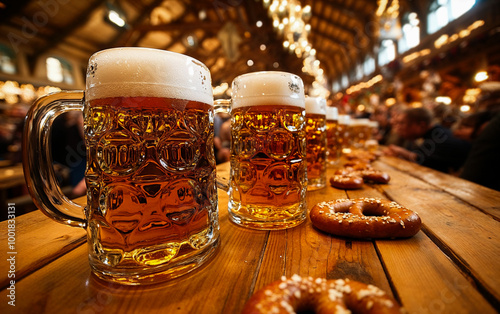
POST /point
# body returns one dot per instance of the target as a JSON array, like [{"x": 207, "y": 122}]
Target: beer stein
[
  {"x": 268, "y": 176},
  {"x": 316, "y": 142},
  {"x": 360, "y": 131},
  {"x": 151, "y": 211},
  {"x": 332, "y": 116},
  {"x": 343, "y": 138}
]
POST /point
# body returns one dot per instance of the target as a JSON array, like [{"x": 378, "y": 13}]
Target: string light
[
  {"x": 356, "y": 88},
  {"x": 465, "y": 108},
  {"x": 481, "y": 76},
  {"x": 443, "y": 100},
  {"x": 290, "y": 20}
]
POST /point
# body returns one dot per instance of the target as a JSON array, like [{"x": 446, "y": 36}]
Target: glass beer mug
[
  {"x": 332, "y": 117},
  {"x": 151, "y": 211},
  {"x": 268, "y": 176},
  {"x": 316, "y": 142}
]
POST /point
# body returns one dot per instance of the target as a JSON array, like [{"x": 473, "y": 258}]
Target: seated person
[
  {"x": 470, "y": 127},
  {"x": 381, "y": 115},
  {"x": 482, "y": 165},
  {"x": 222, "y": 138},
  {"x": 431, "y": 145}
]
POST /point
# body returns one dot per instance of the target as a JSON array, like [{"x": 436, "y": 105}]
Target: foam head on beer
[
  {"x": 268, "y": 88},
  {"x": 332, "y": 113},
  {"x": 145, "y": 72},
  {"x": 344, "y": 119},
  {"x": 316, "y": 105}
]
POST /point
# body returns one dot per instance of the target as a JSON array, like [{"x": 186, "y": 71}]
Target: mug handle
[
  {"x": 37, "y": 157},
  {"x": 222, "y": 106}
]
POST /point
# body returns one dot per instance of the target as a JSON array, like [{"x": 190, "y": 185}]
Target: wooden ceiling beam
[
  {"x": 351, "y": 13},
  {"x": 122, "y": 36},
  {"x": 179, "y": 27},
  {"x": 336, "y": 25},
  {"x": 330, "y": 58},
  {"x": 346, "y": 49},
  {"x": 61, "y": 34}
]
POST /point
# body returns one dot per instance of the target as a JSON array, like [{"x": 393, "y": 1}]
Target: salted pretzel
[
  {"x": 365, "y": 218},
  {"x": 318, "y": 295},
  {"x": 347, "y": 181},
  {"x": 360, "y": 154},
  {"x": 350, "y": 179}
]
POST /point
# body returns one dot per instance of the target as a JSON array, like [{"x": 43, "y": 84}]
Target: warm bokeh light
[
  {"x": 116, "y": 18},
  {"x": 465, "y": 108},
  {"x": 390, "y": 101},
  {"x": 481, "y": 76},
  {"x": 221, "y": 89},
  {"x": 443, "y": 100}
]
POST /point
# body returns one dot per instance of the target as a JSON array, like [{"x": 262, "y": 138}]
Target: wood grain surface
[{"x": 451, "y": 266}]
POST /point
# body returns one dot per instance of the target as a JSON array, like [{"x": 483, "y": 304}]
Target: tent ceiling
[{"x": 221, "y": 33}]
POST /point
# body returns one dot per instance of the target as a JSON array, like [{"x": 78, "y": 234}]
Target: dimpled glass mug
[
  {"x": 268, "y": 176},
  {"x": 151, "y": 211},
  {"x": 316, "y": 142}
]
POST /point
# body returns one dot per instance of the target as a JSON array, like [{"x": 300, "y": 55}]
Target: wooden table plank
[
  {"x": 468, "y": 235},
  {"x": 486, "y": 199},
  {"x": 11, "y": 176},
  {"x": 307, "y": 251},
  {"x": 66, "y": 284},
  {"x": 421, "y": 272},
  {"x": 434, "y": 284},
  {"x": 38, "y": 241},
  {"x": 426, "y": 280}
]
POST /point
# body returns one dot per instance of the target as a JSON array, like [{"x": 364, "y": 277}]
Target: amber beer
[
  {"x": 332, "y": 134},
  {"x": 359, "y": 130},
  {"x": 316, "y": 142},
  {"x": 151, "y": 212},
  {"x": 268, "y": 179},
  {"x": 152, "y": 199},
  {"x": 343, "y": 137}
]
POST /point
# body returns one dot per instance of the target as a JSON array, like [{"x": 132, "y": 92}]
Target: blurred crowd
[
  {"x": 11, "y": 130},
  {"x": 68, "y": 148},
  {"x": 464, "y": 145},
  {"x": 437, "y": 136}
]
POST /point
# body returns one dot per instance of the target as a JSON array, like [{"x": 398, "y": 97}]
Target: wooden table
[
  {"x": 11, "y": 176},
  {"x": 451, "y": 266}
]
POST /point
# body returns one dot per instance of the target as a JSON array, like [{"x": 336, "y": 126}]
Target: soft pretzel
[
  {"x": 347, "y": 181},
  {"x": 374, "y": 176},
  {"x": 350, "y": 179},
  {"x": 361, "y": 155},
  {"x": 357, "y": 165},
  {"x": 319, "y": 295},
  {"x": 365, "y": 218}
]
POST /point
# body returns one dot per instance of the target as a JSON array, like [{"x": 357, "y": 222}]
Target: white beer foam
[
  {"x": 360, "y": 122},
  {"x": 268, "y": 88},
  {"x": 316, "y": 105},
  {"x": 145, "y": 72},
  {"x": 344, "y": 119},
  {"x": 332, "y": 113}
]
